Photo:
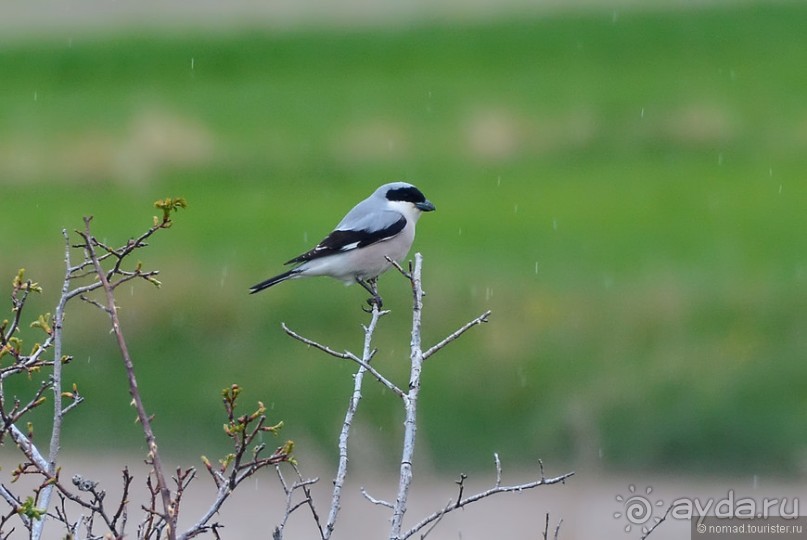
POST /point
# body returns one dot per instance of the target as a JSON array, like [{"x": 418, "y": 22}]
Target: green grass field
[{"x": 627, "y": 194}]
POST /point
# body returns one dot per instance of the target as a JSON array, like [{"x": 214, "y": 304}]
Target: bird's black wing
[{"x": 340, "y": 241}]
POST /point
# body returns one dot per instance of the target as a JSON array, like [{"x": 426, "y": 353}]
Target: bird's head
[{"x": 402, "y": 192}]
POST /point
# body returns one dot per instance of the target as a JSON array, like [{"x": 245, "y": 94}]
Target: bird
[{"x": 376, "y": 231}]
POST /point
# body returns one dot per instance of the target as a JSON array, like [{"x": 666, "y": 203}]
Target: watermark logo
[
  {"x": 639, "y": 509},
  {"x": 643, "y": 509}
]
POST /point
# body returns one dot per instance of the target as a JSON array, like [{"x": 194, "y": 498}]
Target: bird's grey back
[{"x": 371, "y": 213}]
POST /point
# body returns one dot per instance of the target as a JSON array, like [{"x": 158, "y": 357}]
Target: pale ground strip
[{"x": 586, "y": 503}]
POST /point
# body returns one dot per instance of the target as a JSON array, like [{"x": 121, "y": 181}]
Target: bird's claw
[{"x": 374, "y": 302}]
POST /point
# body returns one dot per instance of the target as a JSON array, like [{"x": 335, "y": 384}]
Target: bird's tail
[{"x": 273, "y": 281}]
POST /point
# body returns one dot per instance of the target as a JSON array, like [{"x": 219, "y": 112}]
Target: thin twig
[
  {"x": 399, "y": 268},
  {"x": 290, "y": 505},
  {"x": 200, "y": 526},
  {"x": 145, "y": 420},
  {"x": 543, "y": 481},
  {"x": 546, "y": 528},
  {"x": 124, "y": 499},
  {"x": 434, "y": 524},
  {"x": 461, "y": 484},
  {"x": 659, "y": 522},
  {"x": 379, "y": 502},
  {"x": 345, "y": 355},
  {"x": 308, "y": 497},
  {"x": 456, "y": 334},
  {"x": 364, "y": 363},
  {"x": 557, "y": 529}
]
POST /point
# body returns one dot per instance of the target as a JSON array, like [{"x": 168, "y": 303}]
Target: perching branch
[
  {"x": 341, "y": 472},
  {"x": 358, "y": 379},
  {"x": 409, "y": 399},
  {"x": 417, "y": 357}
]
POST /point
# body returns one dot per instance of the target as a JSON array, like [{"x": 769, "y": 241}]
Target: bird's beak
[{"x": 425, "y": 206}]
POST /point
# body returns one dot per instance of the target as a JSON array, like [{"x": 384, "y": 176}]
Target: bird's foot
[
  {"x": 375, "y": 303},
  {"x": 371, "y": 286}
]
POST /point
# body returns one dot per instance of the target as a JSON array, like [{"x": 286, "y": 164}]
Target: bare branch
[
  {"x": 96, "y": 303},
  {"x": 124, "y": 499},
  {"x": 434, "y": 524},
  {"x": 399, "y": 268},
  {"x": 28, "y": 448},
  {"x": 456, "y": 334},
  {"x": 496, "y": 489},
  {"x": 201, "y": 525},
  {"x": 145, "y": 420},
  {"x": 347, "y": 423},
  {"x": 304, "y": 485},
  {"x": 499, "y": 469},
  {"x": 58, "y": 410},
  {"x": 310, "y": 342},
  {"x": 373, "y": 500},
  {"x": 546, "y": 528},
  {"x": 410, "y": 402},
  {"x": 391, "y": 386},
  {"x": 301, "y": 484},
  {"x": 658, "y": 522},
  {"x": 364, "y": 363},
  {"x": 557, "y": 529}
]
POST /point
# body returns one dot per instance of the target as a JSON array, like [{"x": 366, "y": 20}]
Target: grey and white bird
[{"x": 381, "y": 226}]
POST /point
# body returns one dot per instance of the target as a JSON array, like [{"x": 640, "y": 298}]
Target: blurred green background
[{"x": 624, "y": 189}]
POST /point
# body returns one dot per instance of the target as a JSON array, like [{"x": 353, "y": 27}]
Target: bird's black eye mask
[{"x": 406, "y": 194}]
